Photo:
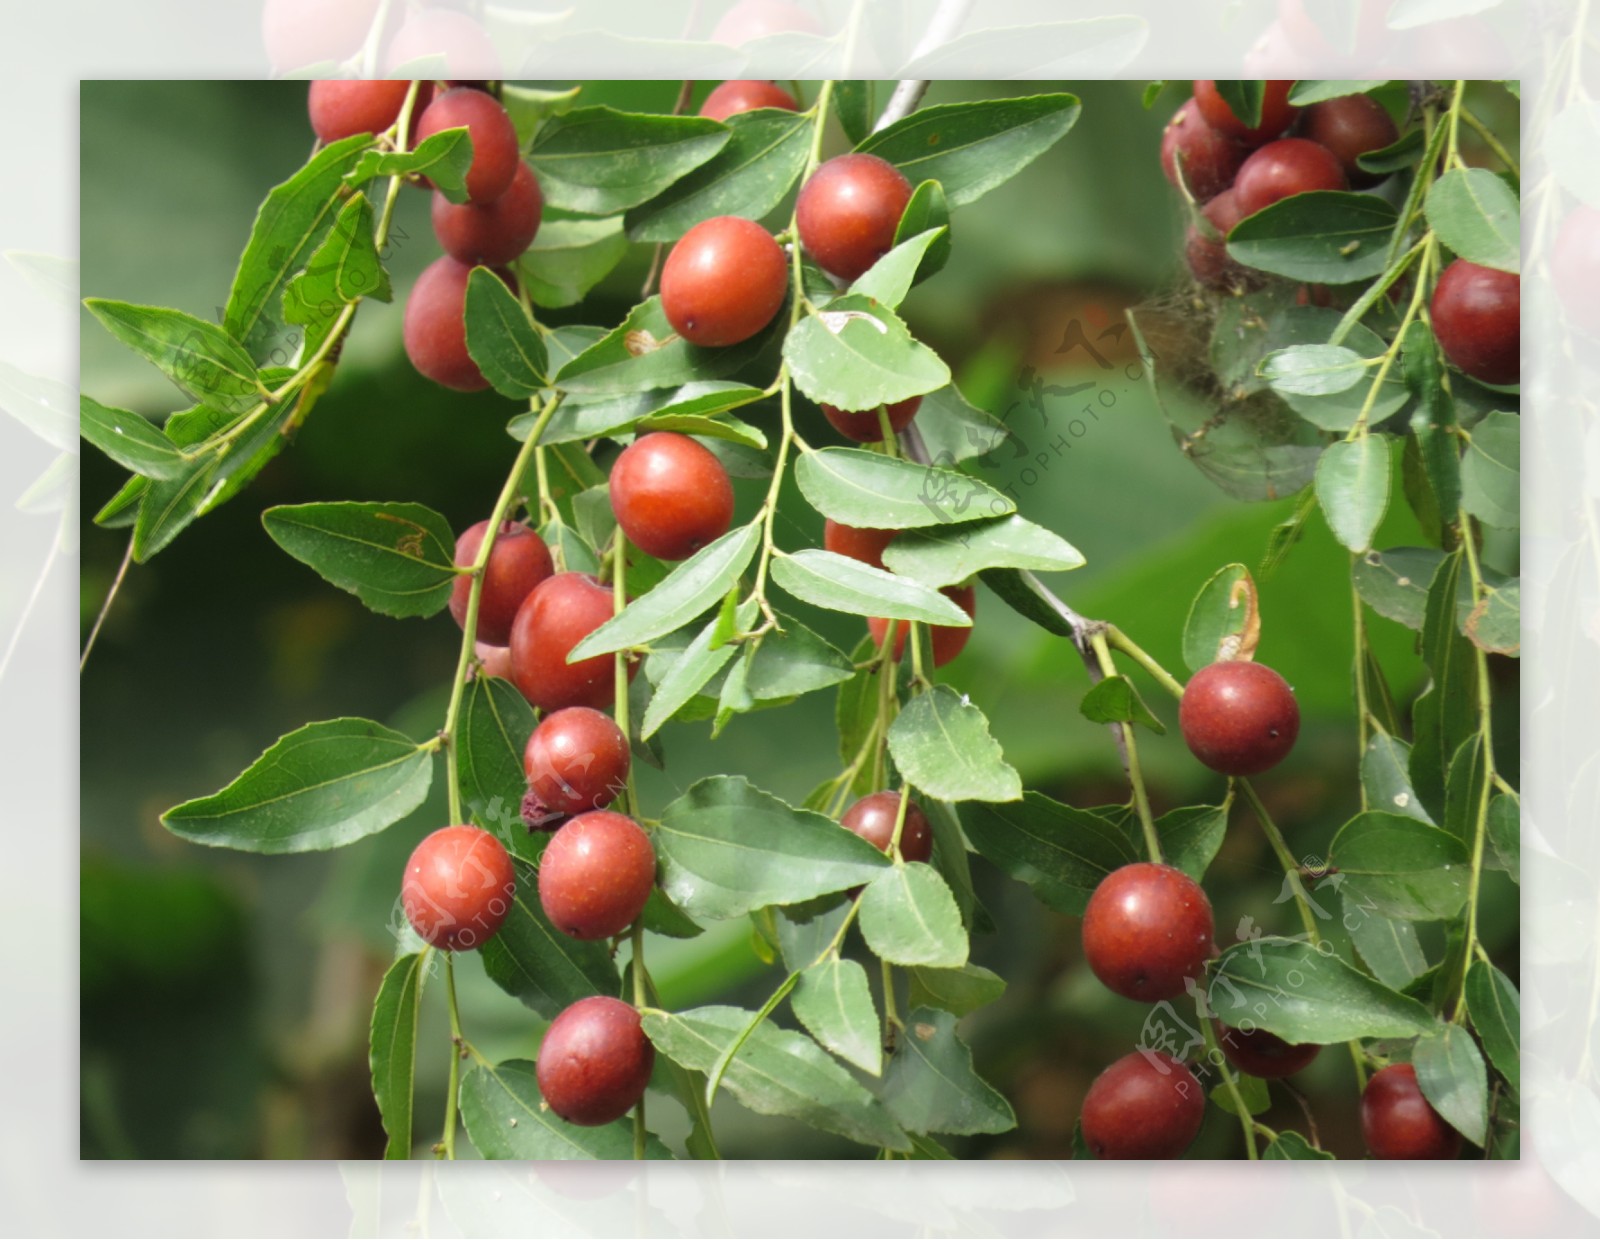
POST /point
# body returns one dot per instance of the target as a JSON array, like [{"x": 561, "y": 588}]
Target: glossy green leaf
[
  {"x": 870, "y": 490},
  {"x": 1477, "y": 215},
  {"x": 502, "y": 339},
  {"x": 1394, "y": 583},
  {"x": 1491, "y": 471},
  {"x": 889, "y": 279},
  {"x": 1505, "y": 832},
  {"x": 832, "y": 1000},
  {"x": 1192, "y": 836},
  {"x": 1253, "y": 1093},
  {"x": 1403, "y": 867},
  {"x": 1353, "y": 488},
  {"x": 854, "y": 104},
  {"x": 343, "y": 269},
  {"x": 598, "y": 161},
  {"x": 1389, "y": 946},
  {"x": 506, "y": 1117},
  {"x": 954, "y": 430},
  {"x": 398, "y": 559},
  {"x": 644, "y": 353},
  {"x": 569, "y": 257},
  {"x": 530, "y": 107},
  {"x": 128, "y": 439},
  {"x": 840, "y": 583},
  {"x": 1324, "y": 237},
  {"x": 1386, "y": 777},
  {"x": 1496, "y": 1011},
  {"x": 1244, "y": 98},
  {"x": 958, "y": 991},
  {"x": 1405, "y": 152},
  {"x": 1291, "y": 1146},
  {"x": 1337, "y": 408},
  {"x": 393, "y": 1049},
  {"x": 944, "y": 557},
  {"x": 940, "y": 743},
  {"x": 496, "y": 722},
  {"x": 1115, "y": 700},
  {"x": 951, "y": 860},
  {"x": 691, "y": 409},
  {"x": 531, "y": 960},
  {"x": 908, "y": 916},
  {"x": 1308, "y": 91},
  {"x": 793, "y": 661},
  {"x": 1223, "y": 619},
  {"x": 1313, "y": 369},
  {"x": 1023, "y": 593},
  {"x": 203, "y": 360},
  {"x": 1445, "y": 714},
  {"x": 930, "y": 1085},
  {"x": 1434, "y": 446},
  {"x": 1466, "y": 790},
  {"x": 1059, "y": 851},
  {"x": 857, "y": 354},
  {"x": 443, "y": 158},
  {"x": 928, "y": 210},
  {"x": 689, "y": 672},
  {"x": 1452, "y": 1076}
]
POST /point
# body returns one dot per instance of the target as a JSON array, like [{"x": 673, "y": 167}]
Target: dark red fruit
[
  {"x": 863, "y": 425},
  {"x": 1351, "y": 126},
  {"x": 1264, "y": 1054},
  {"x": 576, "y": 760},
  {"x": 595, "y": 1061},
  {"x": 848, "y": 210},
  {"x": 948, "y": 640},
  {"x": 746, "y": 95},
  {"x": 1146, "y": 1105},
  {"x": 757, "y": 19},
  {"x": 1239, "y": 718},
  {"x": 859, "y": 543},
  {"x": 435, "y": 327},
  {"x": 458, "y": 888},
  {"x": 723, "y": 282},
  {"x": 495, "y": 153},
  {"x": 560, "y": 613},
  {"x": 341, "y": 109},
  {"x": 1277, "y": 113},
  {"x": 872, "y": 818},
  {"x": 1147, "y": 930},
  {"x": 1282, "y": 169},
  {"x": 1208, "y": 259},
  {"x": 596, "y": 875},
  {"x": 491, "y": 233},
  {"x": 1210, "y": 158},
  {"x": 518, "y": 561},
  {"x": 671, "y": 495},
  {"x": 437, "y": 33},
  {"x": 1398, "y": 1122},
  {"x": 1477, "y": 319}
]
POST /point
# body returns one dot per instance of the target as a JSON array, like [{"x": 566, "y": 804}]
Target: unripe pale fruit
[
  {"x": 1146, "y": 1105},
  {"x": 435, "y": 328},
  {"x": 341, "y": 109},
  {"x": 1351, "y": 126},
  {"x": 1239, "y": 718},
  {"x": 671, "y": 495},
  {"x": 595, "y": 1061},
  {"x": 858, "y": 542},
  {"x": 518, "y": 561},
  {"x": 1397, "y": 1122},
  {"x": 864, "y": 426},
  {"x": 1277, "y": 113},
  {"x": 596, "y": 874},
  {"x": 458, "y": 888},
  {"x": 1264, "y": 1054},
  {"x": 1147, "y": 931},
  {"x": 740, "y": 95},
  {"x": 495, "y": 153},
  {"x": 872, "y": 818},
  {"x": 1477, "y": 320},
  {"x": 948, "y": 640},
  {"x": 560, "y": 612},
  {"x": 576, "y": 760},
  {"x": 1283, "y": 169},
  {"x": 723, "y": 282},
  {"x": 848, "y": 211},
  {"x": 491, "y": 233},
  {"x": 1209, "y": 157}
]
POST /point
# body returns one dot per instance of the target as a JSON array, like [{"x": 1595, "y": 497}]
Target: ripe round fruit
[
  {"x": 576, "y": 760},
  {"x": 1210, "y": 158},
  {"x": 1477, "y": 319},
  {"x": 297, "y": 33},
  {"x": 435, "y": 328},
  {"x": 745, "y": 95},
  {"x": 491, "y": 233},
  {"x": 671, "y": 495},
  {"x": 1282, "y": 169},
  {"x": 872, "y": 818},
  {"x": 1147, "y": 930},
  {"x": 723, "y": 282},
  {"x": 431, "y": 34},
  {"x": 596, "y": 874},
  {"x": 496, "y": 659},
  {"x": 757, "y": 19},
  {"x": 1209, "y": 260},
  {"x": 848, "y": 210},
  {"x": 948, "y": 640},
  {"x": 863, "y": 425},
  {"x": 1351, "y": 126},
  {"x": 560, "y": 612},
  {"x": 518, "y": 561},
  {"x": 1264, "y": 1054},
  {"x": 595, "y": 1061},
  {"x": 1277, "y": 113},
  {"x": 458, "y": 888},
  {"x": 1239, "y": 718},
  {"x": 1146, "y": 1105},
  {"x": 341, "y": 109},
  {"x": 495, "y": 154},
  {"x": 858, "y": 542},
  {"x": 1398, "y": 1122}
]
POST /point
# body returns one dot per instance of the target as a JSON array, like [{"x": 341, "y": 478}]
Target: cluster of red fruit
[{"x": 1232, "y": 170}]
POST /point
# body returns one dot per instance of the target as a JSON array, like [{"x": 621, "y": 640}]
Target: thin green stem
[
  {"x": 891, "y": 1014},
  {"x": 1455, "y": 125},
  {"x": 1360, "y": 678},
  {"x": 1120, "y": 641},
  {"x": 1492, "y": 142},
  {"x": 449, "y": 1144},
  {"x": 1141, "y": 800},
  {"x": 1291, "y": 867},
  {"x": 1220, "y": 1061}
]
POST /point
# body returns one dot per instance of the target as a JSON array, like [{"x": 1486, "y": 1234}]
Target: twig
[
  {"x": 105, "y": 609},
  {"x": 946, "y": 20}
]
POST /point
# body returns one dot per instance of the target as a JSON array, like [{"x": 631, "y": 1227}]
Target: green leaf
[
  {"x": 689, "y": 672},
  {"x": 1306, "y": 327},
  {"x": 1244, "y": 98},
  {"x": 792, "y": 661},
  {"x": 129, "y": 439},
  {"x": 645, "y": 353},
  {"x": 597, "y": 161},
  {"x": 1313, "y": 369},
  {"x": 1192, "y": 836},
  {"x": 945, "y": 557},
  {"x": 1059, "y": 851},
  {"x": 725, "y": 848},
  {"x": 1403, "y": 867},
  {"x": 493, "y": 735},
  {"x": 43, "y": 406},
  {"x": 1496, "y": 1011},
  {"x": 941, "y": 744},
  {"x": 502, "y": 339},
  {"x": 1452, "y": 1076},
  {"x": 970, "y": 148},
  {"x": 1253, "y": 1093},
  {"x": 908, "y": 916},
  {"x": 1323, "y": 237},
  {"x": 443, "y": 158},
  {"x": 931, "y": 1086},
  {"x": 950, "y": 859},
  {"x": 775, "y": 1072},
  {"x": 954, "y": 430},
  {"x": 926, "y": 211},
  {"x": 868, "y": 489},
  {"x": 1386, "y": 777},
  {"x": 532, "y": 961},
  {"x": 1495, "y": 622},
  {"x": 202, "y": 359},
  {"x": 1466, "y": 788},
  {"x": 341, "y": 271},
  {"x": 1022, "y": 592},
  {"x": 393, "y": 1049},
  {"x": 1477, "y": 215},
  {"x": 1402, "y": 153},
  {"x": 530, "y": 107},
  {"x": 1223, "y": 619},
  {"x": 1505, "y": 832},
  {"x": 749, "y": 177},
  {"x": 832, "y": 1000},
  {"x": 322, "y": 786},
  {"x": 853, "y": 104},
  {"x": 1394, "y": 583},
  {"x": 889, "y": 279},
  {"x": 1446, "y": 714},
  {"x": 1290, "y": 988},
  {"x": 1308, "y": 91},
  {"x": 1291, "y": 1145},
  {"x": 959, "y": 991},
  {"x": 1433, "y": 444},
  {"x": 840, "y": 583},
  {"x": 1491, "y": 471},
  {"x": 857, "y": 354},
  {"x": 398, "y": 559},
  {"x": 1389, "y": 945},
  {"x": 690, "y": 409},
  {"x": 1115, "y": 700},
  {"x": 693, "y": 586},
  {"x": 569, "y": 257},
  {"x": 1353, "y": 488},
  {"x": 506, "y": 1118}
]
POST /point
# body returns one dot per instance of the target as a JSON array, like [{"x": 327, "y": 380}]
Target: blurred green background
[{"x": 225, "y": 997}]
